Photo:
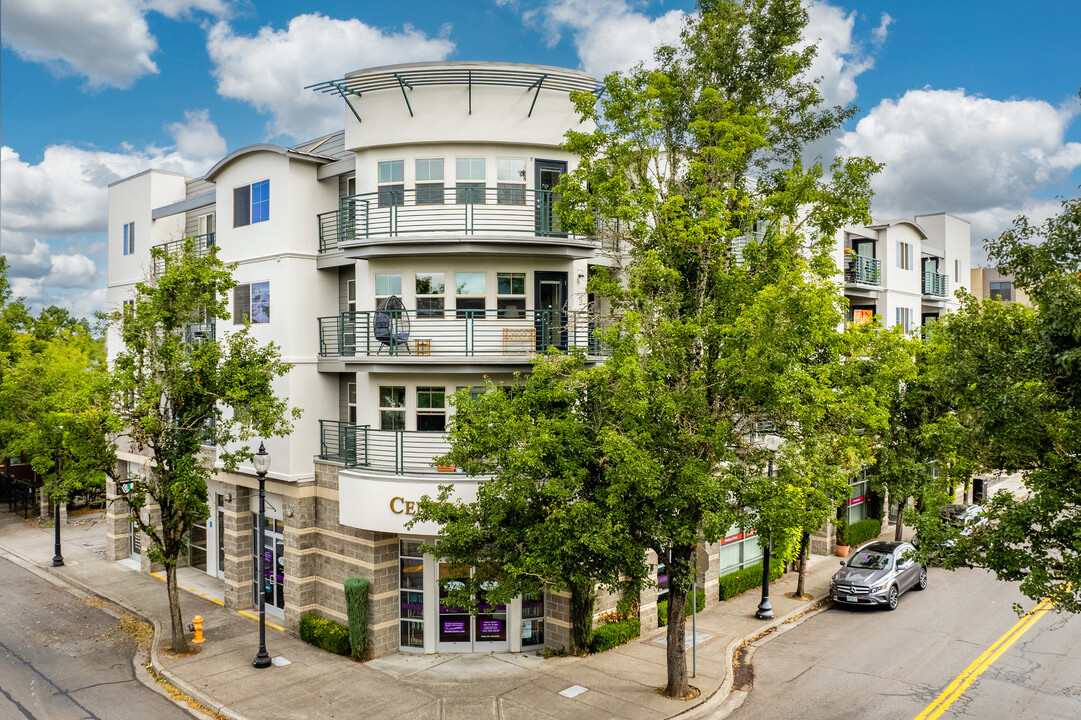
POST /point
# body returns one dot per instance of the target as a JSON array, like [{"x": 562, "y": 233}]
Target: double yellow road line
[{"x": 984, "y": 661}]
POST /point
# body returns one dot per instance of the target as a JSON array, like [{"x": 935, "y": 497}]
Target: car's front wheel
[
  {"x": 922, "y": 584},
  {"x": 891, "y": 598}
]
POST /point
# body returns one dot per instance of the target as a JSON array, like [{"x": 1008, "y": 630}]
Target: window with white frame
[
  {"x": 510, "y": 294},
  {"x": 469, "y": 181},
  {"x": 1002, "y": 291},
  {"x": 904, "y": 256},
  {"x": 387, "y": 284},
  {"x": 129, "y": 238},
  {"x": 904, "y": 318},
  {"x": 251, "y": 303},
  {"x": 957, "y": 271},
  {"x": 429, "y": 181},
  {"x": 430, "y": 291},
  {"x": 251, "y": 203},
  {"x": 431, "y": 409},
  {"x": 510, "y": 181},
  {"x": 391, "y": 182},
  {"x": 351, "y": 402},
  {"x": 392, "y": 407},
  {"x": 469, "y": 294},
  {"x": 128, "y": 308},
  {"x": 205, "y": 224}
]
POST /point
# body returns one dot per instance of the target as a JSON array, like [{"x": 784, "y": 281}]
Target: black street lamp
[
  {"x": 261, "y": 461},
  {"x": 765, "y": 609},
  {"x": 58, "y": 559}
]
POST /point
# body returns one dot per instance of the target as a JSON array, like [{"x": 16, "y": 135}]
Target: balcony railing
[
  {"x": 461, "y": 333},
  {"x": 203, "y": 243},
  {"x": 396, "y": 451},
  {"x": 741, "y": 242},
  {"x": 198, "y": 332},
  {"x": 470, "y": 210},
  {"x": 863, "y": 270},
  {"x": 935, "y": 284}
]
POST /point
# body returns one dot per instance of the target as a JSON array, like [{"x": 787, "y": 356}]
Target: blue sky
[{"x": 972, "y": 105}]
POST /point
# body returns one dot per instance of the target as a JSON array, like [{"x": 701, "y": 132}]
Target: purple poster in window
[
  {"x": 491, "y": 626},
  {"x": 490, "y": 630},
  {"x": 454, "y": 627}
]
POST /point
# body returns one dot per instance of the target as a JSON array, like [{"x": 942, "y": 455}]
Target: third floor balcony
[
  {"x": 860, "y": 270},
  {"x": 201, "y": 243},
  {"x": 935, "y": 284},
  {"x": 425, "y": 335},
  {"x": 390, "y": 451}
]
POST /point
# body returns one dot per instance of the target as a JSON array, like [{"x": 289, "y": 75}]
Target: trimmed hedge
[
  {"x": 740, "y": 581},
  {"x": 860, "y": 532},
  {"x": 613, "y": 634},
  {"x": 324, "y": 633},
  {"x": 662, "y": 607},
  {"x": 357, "y": 591}
]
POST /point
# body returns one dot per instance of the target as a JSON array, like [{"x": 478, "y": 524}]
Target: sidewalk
[{"x": 620, "y": 683}]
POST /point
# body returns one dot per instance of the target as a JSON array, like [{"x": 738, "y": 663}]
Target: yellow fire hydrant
[{"x": 197, "y": 623}]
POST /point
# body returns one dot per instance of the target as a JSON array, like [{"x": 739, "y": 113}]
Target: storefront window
[
  {"x": 857, "y": 502},
  {"x": 532, "y": 619},
  {"x": 272, "y": 584},
  {"x": 739, "y": 549},
  {"x": 411, "y": 594}
]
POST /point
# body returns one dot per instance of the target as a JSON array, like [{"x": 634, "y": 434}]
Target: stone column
[
  {"x": 238, "y": 547},
  {"x": 384, "y": 595},
  {"x": 557, "y": 620},
  {"x": 117, "y": 523}
]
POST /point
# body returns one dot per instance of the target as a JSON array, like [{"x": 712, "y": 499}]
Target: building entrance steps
[{"x": 620, "y": 683}]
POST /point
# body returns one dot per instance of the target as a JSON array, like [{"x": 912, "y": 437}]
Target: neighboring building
[
  {"x": 438, "y": 194},
  {"x": 990, "y": 284}
]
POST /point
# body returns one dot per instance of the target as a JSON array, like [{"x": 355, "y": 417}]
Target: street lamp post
[
  {"x": 765, "y": 609},
  {"x": 58, "y": 559},
  {"x": 261, "y": 461}
]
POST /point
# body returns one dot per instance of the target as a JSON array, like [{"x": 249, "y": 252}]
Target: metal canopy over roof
[{"x": 413, "y": 75}]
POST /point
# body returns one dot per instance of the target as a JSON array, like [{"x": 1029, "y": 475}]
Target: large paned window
[
  {"x": 1002, "y": 291},
  {"x": 858, "y": 505},
  {"x": 510, "y": 295},
  {"x": 469, "y": 294},
  {"x": 470, "y": 175},
  {"x": 904, "y": 318},
  {"x": 351, "y": 402},
  {"x": 510, "y": 181},
  {"x": 251, "y": 203},
  {"x": 904, "y": 256},
  {"x": 387, "y": 284},
  {"x": 251, "y": 303},
  {"x": 129, "y": 238},
  {"x": 391, "y": 182},
  {"x": 429, "y": 181},
  {"x": 430, "y": 289},
  {"x": 411, "y": 594},
  {"x": 738, "y": 550},
  {"x": 391, "y": 407},
  {"x": 431, "y": 409}
]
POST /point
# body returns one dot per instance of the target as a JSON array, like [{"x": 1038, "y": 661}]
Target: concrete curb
[{"x": 724, "y": 699}]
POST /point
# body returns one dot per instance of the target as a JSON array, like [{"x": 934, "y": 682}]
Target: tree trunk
[
  {"x": 180, "y": 641},
  {"x": 804, "y": 545},
  {"x": 677, "y": 686},
  {"x": 583, "y": 598},
  {"x": 900, "y": 521}
]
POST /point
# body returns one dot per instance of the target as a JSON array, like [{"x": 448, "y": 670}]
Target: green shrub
[
  {"x": 357, "y": 592},
  {"x": 860, "y": 532},
  {"x": 662, "y": 607},
  {"x": 613, "y": 634},
  {"x": 324, "y": 633},
  {"x": 740, "y": 581}
]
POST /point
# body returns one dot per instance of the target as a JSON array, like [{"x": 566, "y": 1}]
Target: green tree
[
  {"x": 684, "y": 164},
  {"x": 1015, "y": 374},
  {"x": 540, "y": 523},
  {"x": 175, "y": 394}
]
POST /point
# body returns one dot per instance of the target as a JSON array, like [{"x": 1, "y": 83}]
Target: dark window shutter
[
  {"x": 241, "y": 304},
  {"x": 242, "y": 206}
]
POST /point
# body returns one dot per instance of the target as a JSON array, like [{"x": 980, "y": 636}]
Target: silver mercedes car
[{"x": 877, "y": 573}]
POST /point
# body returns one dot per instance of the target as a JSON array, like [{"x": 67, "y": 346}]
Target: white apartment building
[{"x": 436, "y": 195}]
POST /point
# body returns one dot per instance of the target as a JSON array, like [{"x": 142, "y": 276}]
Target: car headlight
[{"x": 879, "y": 586}]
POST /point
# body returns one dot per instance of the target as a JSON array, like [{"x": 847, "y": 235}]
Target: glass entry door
[
  {"x": 221, "y": 535},
  {"x": 272, "y": 584},
  {"x": 460, "y": 631},
  {"x": 546, "y": 179},
  {"x": 550, "y": 317}
]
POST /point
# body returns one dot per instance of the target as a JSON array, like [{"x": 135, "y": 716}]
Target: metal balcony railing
[
  {"x": 863, "y": 270},
  {"x": 463, "y": 333},
  {"x": 202, "y": 244},
  {"x": 198, "y": 332},
  {"x": 740, "y": 243},
  {"x": 396, "y": 451},
  {"x": 935, "y": 284},
  {"x": 437, "y": 208}
]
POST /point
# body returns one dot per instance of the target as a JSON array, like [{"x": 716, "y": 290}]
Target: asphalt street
[
  {"x": 859, "y": 662},
  {"x": 62, "y": 658}
]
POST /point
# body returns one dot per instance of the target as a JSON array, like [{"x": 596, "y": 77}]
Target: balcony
[
  {"x": 202, "y": 243},
  {"x": 514, "y": 210},
  {"x": 391, "y": 451},
  {"x": 860, "y": 270},
  {"x": 935, "y": 284},
  {"x": 741, "y": 242},
  {"x": 198, "y": 332},
  {"x": 508, "y": 332}
]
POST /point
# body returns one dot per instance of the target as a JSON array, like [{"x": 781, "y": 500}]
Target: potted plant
[{"x": 842, "y": 537}]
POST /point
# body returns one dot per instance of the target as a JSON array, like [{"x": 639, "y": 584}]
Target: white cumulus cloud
[
  {"x": 106, "y": 41},
  {"x": 72, "y": 270},
  {"x": 270, "y": 69},
  {"x": 197, "y": 136}
]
